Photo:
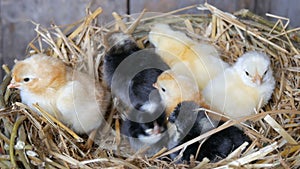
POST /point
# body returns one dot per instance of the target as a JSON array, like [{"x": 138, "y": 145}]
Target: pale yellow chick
[
  {"x": 238, "y": 91},
  {"x": 71, "y": 96},
  {"x": 174, "y": 89},
  {"x": 179, "y": 51}
]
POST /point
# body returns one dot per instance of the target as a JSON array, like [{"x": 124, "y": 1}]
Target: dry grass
[{"x": 28, "y": 140}]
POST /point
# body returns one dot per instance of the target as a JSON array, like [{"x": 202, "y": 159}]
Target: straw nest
[{"x": 28, "y": 140}]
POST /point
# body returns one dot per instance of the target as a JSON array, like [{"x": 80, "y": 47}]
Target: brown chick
[{"x": 72, "y": 97}]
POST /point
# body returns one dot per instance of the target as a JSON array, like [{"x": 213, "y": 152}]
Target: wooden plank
[
  {"x": 137, "y": 6},
  {"x": 284, "y": 8}
]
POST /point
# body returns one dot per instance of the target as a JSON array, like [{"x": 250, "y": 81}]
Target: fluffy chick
[
  {"x": 71, "y": 96},
  {"x": 130, "y": 72},
  {"x": 238, "y": 91},
  {"x": 119, "y": 46},
  {"x": 174, "y": 89},
  {"x": 181, "y": 52},
  {"x": 146, "y": 130},
  {"x": 216, "y": 147}
]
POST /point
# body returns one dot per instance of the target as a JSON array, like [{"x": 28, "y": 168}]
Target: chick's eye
[
  {"x": 265, "y": 72},
  {"x": 247, "y": 73},
  {"x": 163, "y": 89},
  {"x": 26, "y": 79}
]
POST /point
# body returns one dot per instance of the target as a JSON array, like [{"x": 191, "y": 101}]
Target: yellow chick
[
  {"x": 238, "y": 91},
  {"x": 174, "y": 89},
  {"x": 71, "y": 96},
  {"x": 180, "y": 51}
]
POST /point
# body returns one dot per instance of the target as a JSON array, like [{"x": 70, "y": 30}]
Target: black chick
[
  {"x": 119, "y": 46},
  {"x": 216, "y": 147},
  {"x": 130, "y": 72}
]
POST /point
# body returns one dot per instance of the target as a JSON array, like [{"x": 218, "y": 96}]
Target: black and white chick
[
  {"x": 130, "y": 73},
  {"x": 216, "y": 147},
  {"x": 143, "y": 134}
]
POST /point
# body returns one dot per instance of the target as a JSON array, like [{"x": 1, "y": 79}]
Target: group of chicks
[{"x": 161, "y": 91}]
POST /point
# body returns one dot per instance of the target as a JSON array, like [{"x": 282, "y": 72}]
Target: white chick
[
  {"x": 181, "y": 52},
  {"x": 238, "y": 91},
  {"x": 71, "y": 96}
]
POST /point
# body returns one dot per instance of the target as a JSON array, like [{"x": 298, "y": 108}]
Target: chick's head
[
  {"x": 37, "y": 73},
  {"x": 254, "y": 68},
  {"x": 174, "y": 88},
  {"x": 168, "y": 87}
]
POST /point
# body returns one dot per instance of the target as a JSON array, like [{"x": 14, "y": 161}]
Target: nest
[{"x": 28, "y": 140}]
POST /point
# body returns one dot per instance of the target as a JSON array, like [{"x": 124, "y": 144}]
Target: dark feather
[
  {"x": 216, "y": 147},
  {"x": 130, "y": 73}
]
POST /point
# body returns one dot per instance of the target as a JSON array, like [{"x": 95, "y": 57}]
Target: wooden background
[{"x": 17, "y": 30}]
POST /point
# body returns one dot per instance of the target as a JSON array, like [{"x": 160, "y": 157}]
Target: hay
[{"x": 28, "y": 140}]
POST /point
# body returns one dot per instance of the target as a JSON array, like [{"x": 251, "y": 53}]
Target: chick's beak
[
  {"x": 12, "y": 85},
  {"x": 257, "y": 79},
  {"x": 155, "y": 85},
  {"x": 156, "y": 129}
]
